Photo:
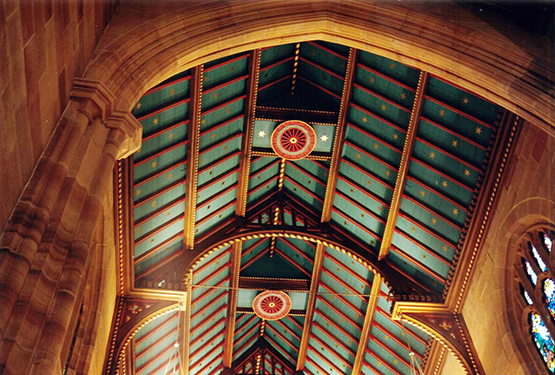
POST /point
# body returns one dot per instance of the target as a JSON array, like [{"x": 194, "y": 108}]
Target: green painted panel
[
  {"x": 444, "y": 247},
  {"x": 161, "y": 218},
  {"x": 226, "y": 112},
  {"x": 426, "y": 218},
  {"x": 247, "y": 255},
  {"x": 324, "y": 310},
  {"x": 226, "y": 72},
  {"x": 142, "y": 347},
  {"x": 396, "y": 70},
  {"x": 358, "y": 215},
  {"x": 375, "y": 147},
  {"x": 211, "y": 172},
  {"x": 434, "y": 202},
  {"x": 365, "y": 178},
  {"x": 455, "y": 145},
  {"x": 162, "y": 141},
  {"x": 308, "y": 96},
  {"x": 197, "y": 318},
  {"x": 399, "y": 350},
  {"x": 318, "y": 169},
  {"x": 445, "y": 163},
  {"x": 207, "y": 209},
  {"x": 357, "y": 267},
  {"x": 309, "y": 182},
  {"x": 373, "y": 360},
  {"x": 154, "y": 165},
  {"x": 224, "y": 94},
  {"x": 263, "y": 176},
  {"x": 275, "y": 266},
  {"x": 158, "y": 238},
  {"x": 159, "y": 98},
  {"x": 316, "y": 370},
  {"x": 168, "y": 117},
  {"x": 275, "y": 73},
  {"x": 153, "y": 351},
  {"x": 321, "y": 77},
  {"x": 355, "y": 193},
  {"x": 360, "y": 159},
  {"x": 324, "y": 58},
  {"x": 154, "y": 205},
  {"x": 305, "y": 264},
  {"x": 274, "y": 95},
  {"x": 462, "y": 100},
  {"x": 380, "y": 107},
  {"x": 263, "y": 133},
  {"x": 454, "y": 121},
  {"x": 384, "y": 87},
  {"x": 396, "y": 331},
  {"x": 215, "y": 220},
  {"x": 291, "y": 349},
  {"x": 215, "y": 349},
  {"x": 141, "y": 190},
  {"x": 270, "y": 55},
  {"x": 167, "y": 251},
  {"x": 377, "y": 127},
  {"x": 346, "y": 224},
  {"x": 206, "y": 292},
  {"x": 209, "y": 191},
  {"x": 245, "y": 297},
  {"x": 441, "y": 184},
  {"x": 420, "y": 255},
  {"x": 339, "y": 48},
  {"x": 425, "y": 278},
  {"x": 295, "y": 190},
  {"x": 264, "y": 190},
  {"x": 208, "y": 156},
  {"x": 347, "y": 311},
  {"x": 200, "y": 332}
]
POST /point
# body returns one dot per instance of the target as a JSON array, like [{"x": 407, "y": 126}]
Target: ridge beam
[
  {"x": 192, "y": 157},
  {"x": 232, "y": 302},
  {"x": 316, "y": 273},
  {"x": 368, "y": 320},
  {"x": 410, "y": 140},
  {"x": 339, "y": 135},
  {"x": 246, "y": 143}
]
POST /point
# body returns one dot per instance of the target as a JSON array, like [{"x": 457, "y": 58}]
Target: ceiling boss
[{"x": 293, "y": 140}]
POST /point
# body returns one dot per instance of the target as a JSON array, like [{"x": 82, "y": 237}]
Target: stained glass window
[
  {"x": 538, "y": 258},
  {"x": 543, "y": 340},
  {"x": 530, "y": 271},
  {"x": 549, "y": 293},
  {"x": 546, "y": 241}
]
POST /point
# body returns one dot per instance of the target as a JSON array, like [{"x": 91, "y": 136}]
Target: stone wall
[
  {"x": 527, "y": 190},
  {"x": 44, "y": 45}
]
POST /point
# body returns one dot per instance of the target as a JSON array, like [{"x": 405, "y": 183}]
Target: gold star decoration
[
  {"x": 384, "y": 107},
  {"x": 422, "y": 193},
  {"x": 261, "y": 134},
  {"x": 170, "y": 176},
  {"x": 170, "y": 136},
  {"x": 442, "y": 112},
  {"x": 465, "y": 100},
  {"x": 466, "y": 172},
  {"x": 155, "y": 121},
  {"x": 232, "y": 68},
  {"x": 396, "y": 361},
  {"x": 434, "y": 221},
  {"x": 364, "y": 119},
  {"x": 455, "y": 211},
  {"x": 153, "y": 204},
  {"x": 386, "y": 337},
  {"x": 372, "y": 79},
  {"x": 358, "y": 156},
  {"x": 225, "y": 148},
  {"x": 376, "y": 146},
  {"x": 215, "y": 96},
  {"x": 455, "y": 143},
  {"x": 172, "y": 92},
  {"x": 478, "y": 130},
  {"x": 203, "y": 121},
  {"x": 154, "y": 164},
  {"x": 168, "y": 213},
  {"x": 413, "y": 229},
  {"x": 403, "y": 96},
  {"x": 444, "y": 248},
  {"x": 424, "y": 256},
  {"x": 227, "y": 110},
  {"x": 139, "y": 105},
  {"x": 380, "y": 208},
  {"x": 213, "y": 135},
  {"x": 369, "y": 182},
  {"x": 432, "y": 155},
  {"x": 324, "y": 138},
  {"x": 392, "y": 65},
  {"x": 138, "y": 192},
  {"x": 139, "y": 230},
  {"x": 395, "y": 136},
  {"x": 387, "y": 173},
  {"x": 444, "y": 184}
]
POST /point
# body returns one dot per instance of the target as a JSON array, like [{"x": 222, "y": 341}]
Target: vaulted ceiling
[{"x": 379, "y": 207}]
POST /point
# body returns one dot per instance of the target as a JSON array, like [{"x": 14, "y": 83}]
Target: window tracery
[{"x": 536, "y": 282}]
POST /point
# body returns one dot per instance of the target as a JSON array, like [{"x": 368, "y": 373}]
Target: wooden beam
[
  {"x": 410, "y": 140},
  {"x": 192, "y": 157},
  {"x": 368, "y": 319},
  {"x": 232, "y": 302},
  {"x": 339, "y": 135},
  {"x": 273, "y": 284},
  {"x": 316, "y": 272},
  {"x": 284, "y": 114},
  {"x": 246, "y": 144},
  {"x": 186, "y": 343}
]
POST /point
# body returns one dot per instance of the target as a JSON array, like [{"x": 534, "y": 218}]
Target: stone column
[{"x": 47, "y": 243}]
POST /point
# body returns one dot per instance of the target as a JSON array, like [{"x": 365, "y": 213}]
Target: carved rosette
[
  {"x": 272, "y": 305},
  {"x": 293, "y": 140}
]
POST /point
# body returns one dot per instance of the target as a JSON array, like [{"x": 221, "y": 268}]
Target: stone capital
[
  {"x": 130, "y": 127},
  {"x": 94, "y": 97}
]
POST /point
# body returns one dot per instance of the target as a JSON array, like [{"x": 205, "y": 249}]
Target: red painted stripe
[
  {"x": 158, "y": 212},
  {"x": 164, "y": 130},
  {"x": 222, "y": 209},
  {"x": 287, "y": 178},
  {"x": 439, "y": 237},
  {"x": 267, "y": 67},
  {"x": 235, "y": 80},
  {"x": 273, "y": 83},
  {"x": 322, "y": 68},
  {"x": 366, "y": 153},
  {"x": 253, "y": 259},
  {"x": 334, "y": 338},
  {"x": 163, "y": 109},
  {"x": 212, "y": 261},
  {"x": 419, "y": 265},
  {"x": 277, "y": 347},
  {"x": 394, "y": 338},
  {"x": 292, "y": 261},
  {"x": 224, "y": 63},
  {"x": 425, "y": 165},
  {"x": 280, "y": 335},
  {"x": 453, "y": 109},
  {"x": 217, "y": 162},
  {"x": 158, "y": 229},
  {"x": 160, "y": 173},
  {"x": 208, "y": 305},
  {"x": 157, "y": 88},
  {"x": 297, "y": 250},
  {"x": 156, "y": 194},
  {"x": 445, "y": 152},
  {"x": 153, "y": 359},
  {"x": 210, "y": 289},
  {"x": 215, "y": 229},
  {"x": 335, "y": 309},
  {"x": 324, "y": 359},
  {"x": 306, "y": 173},
  {"x": 356, "y": 223},
  {"x": 330, "y": 350},
  {"x": 290, "y": 318},
  {"x": 392, "y": 352},
  {"x": 265, "y": 168},
  {"x": 160, "y": 264},
  {"x": 436, "y": 192},
  {"x": 210, "y": 364},
  {"x": 209, "y": 318},
  {"x": 213, "y": 182},
  {"x": 340, "y": 297},
  {"x": 214, "y": 197},
  {"x": 376, "y": 139},
  {"x": 159, "y": 153},
  {"x": 156, "y": 342},
  {"x": 319, "y": 87},
  {"x": 318, "y": 367},
  {"x": 221, "y": 125},
  {"x": 209, "y": 353},
  {"x": 367, "y": 90},
  {"x": 318, "y": 45},
  {"x": 211, "y": 275},
  {"x": 346, "y": 234},
  {"x": 347, "y": 269},
  {"x": 409, "y": 277},
  {"x": 223, "y": 105},
  {"x": 379, "y": 118},
  {"x": 247, "y": 343},
  {"x": 362, "y": 208},
  {"x": 320, "y": 165},
  {"x": 368, "y": 174},
  {"x": 220, "y": 144},
  {"x": 239, "y": 326},
  {"x": 423, "y": 247},
  {"x": 458, "y": 135},
  {"x": 252, "y": 246},
  {"x": 441, "y": 215},
  {"x": 388, "y": 315},
  {"x": 155, "y": 329},
  {"x": 330, "y": 321},
  {"x": 153, "y": 251},
  {"x": 390, "y": 79},
  {"x": 384, "y": 363},
  {"x": 368, "y": 193}
]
